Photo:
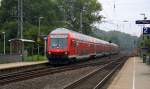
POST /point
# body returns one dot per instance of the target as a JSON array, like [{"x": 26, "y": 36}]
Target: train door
[
  {"x": 94, "y": 48},
  {"x": 73, "y": 47},
  {"x": 77, "y": 48}
]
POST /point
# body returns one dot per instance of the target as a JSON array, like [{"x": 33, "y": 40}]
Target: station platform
[
  {"x": 134, "y": 75},
  {"x": 20, "y": 64}
]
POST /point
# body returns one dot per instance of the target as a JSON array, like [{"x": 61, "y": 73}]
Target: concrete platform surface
[
  {"x": 19, "y": 64},
  {"x": 133, "y": 75}
]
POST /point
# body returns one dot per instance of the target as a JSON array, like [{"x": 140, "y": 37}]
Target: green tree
[
  {"x": 146, "y": 44},
  {"x": 72, "y": 10},
  {"x": 56, "y": 13}
]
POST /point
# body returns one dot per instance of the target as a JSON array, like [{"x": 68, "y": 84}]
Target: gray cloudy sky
[{"x": 124, "y": 10}]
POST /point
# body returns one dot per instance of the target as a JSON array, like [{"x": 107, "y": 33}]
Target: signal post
[{"x": 146, "y": 36}]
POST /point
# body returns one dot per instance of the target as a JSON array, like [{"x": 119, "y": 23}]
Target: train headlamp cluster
[{"x": 66, "y": 53}]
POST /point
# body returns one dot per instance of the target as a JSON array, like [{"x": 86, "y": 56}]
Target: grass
[{"x": 35, "y": 58}]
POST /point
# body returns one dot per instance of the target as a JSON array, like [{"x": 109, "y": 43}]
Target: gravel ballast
[{"x": 54, "y": 81}]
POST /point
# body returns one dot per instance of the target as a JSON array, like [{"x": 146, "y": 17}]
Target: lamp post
[
  {"x": 143, "y": 53},
  {"x": 40, "y": 24},
  {"x": 125, "y": 21},
  {"x": 144, "y": 16},
  {"x": 81, "y": 25},
  {"x": 39, "y": 19},
  {"x": 130, "y": 27},
  {"x": 45, "y": 40},
  {"x": 20, "y": 18},
  {"x": 81, "y": 18},
  {"x": 4, "y": 43}
]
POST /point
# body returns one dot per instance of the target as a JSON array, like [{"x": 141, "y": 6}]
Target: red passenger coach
[{"x": 64, "y": 45}]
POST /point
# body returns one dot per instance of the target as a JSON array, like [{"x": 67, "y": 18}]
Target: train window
[
  {"x": 58, "y": 43},
  {"x": 73, "y": 43}
]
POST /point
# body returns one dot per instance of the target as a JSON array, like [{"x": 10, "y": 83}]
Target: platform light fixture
[
  {"x": 4, "y": 42},
  {"x": 39, "y": 32}
]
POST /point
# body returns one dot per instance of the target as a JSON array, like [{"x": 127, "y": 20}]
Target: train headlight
[
  {"x": 66, "y": 53},
  {"x": 49, "y": 52}
]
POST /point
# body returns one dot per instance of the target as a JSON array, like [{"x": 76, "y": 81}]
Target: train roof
[
  {"x": 60, "y": 31},
  {"x": 114, "y": 44},
  {"x": 80, "y": 36}
]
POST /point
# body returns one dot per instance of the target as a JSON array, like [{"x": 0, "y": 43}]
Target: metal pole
[
  {"x": 45, "y": 48},
  {"x": 18, "y": 21},
  {"x": 4, "y": 43},
  {"x": 10, "y": 48},
  {"x": 39, "y": 26},
  {"x": 39, "y": 35},
  {"x": 144, "y": 17},
  {"x": 81, "y": 22},
  {"x": 39, "y": 32},
  {"x": 38, "y": 49},
  {"x": 23, "y": 51},
  {"x": 125, "y": 21},
  {"x": 21, "y": 18},
  {"x": 143, "y": 53}
]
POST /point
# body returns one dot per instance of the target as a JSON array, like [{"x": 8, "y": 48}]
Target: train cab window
[{"x": 59, "y": 43}]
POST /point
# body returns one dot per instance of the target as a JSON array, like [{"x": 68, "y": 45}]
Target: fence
[{"x": 10, "y": 58}]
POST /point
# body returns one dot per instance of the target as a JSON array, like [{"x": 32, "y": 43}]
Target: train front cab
[{"x": 58, "y": 48}]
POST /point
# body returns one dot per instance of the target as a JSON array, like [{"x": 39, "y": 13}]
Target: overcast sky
[{"x": 128, "y": 10}]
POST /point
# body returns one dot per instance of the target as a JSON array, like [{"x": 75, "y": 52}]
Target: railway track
[
  {"x": 97, "y": 78},
  {"x": 37, "y": 72}
]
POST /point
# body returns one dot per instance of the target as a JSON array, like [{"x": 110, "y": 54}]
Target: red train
[{"x": 65, "y": 45}]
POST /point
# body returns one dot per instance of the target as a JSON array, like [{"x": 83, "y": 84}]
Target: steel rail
[
  {"x": 23, "y": 75},
  {"x": 78, "y": 83},
  {"x": 102, "y": 82},
  {"x": 32, "y": 73}
]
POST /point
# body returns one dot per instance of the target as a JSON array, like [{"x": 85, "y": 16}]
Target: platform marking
[{"x": 133, "y": 82}]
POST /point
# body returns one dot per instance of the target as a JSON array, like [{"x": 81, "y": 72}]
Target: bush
[{"x": 35, "y": 58}]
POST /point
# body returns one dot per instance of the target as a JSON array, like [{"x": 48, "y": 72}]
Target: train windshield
[{"x": 58, "y": 42}]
